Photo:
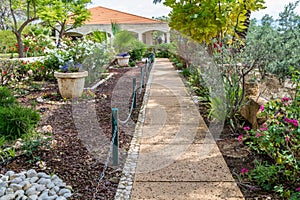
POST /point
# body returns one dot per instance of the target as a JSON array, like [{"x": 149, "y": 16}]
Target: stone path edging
[{"x": 126, "y": 181}]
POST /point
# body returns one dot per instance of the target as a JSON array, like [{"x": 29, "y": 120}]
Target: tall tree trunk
[{"x": 20, "y": 45}]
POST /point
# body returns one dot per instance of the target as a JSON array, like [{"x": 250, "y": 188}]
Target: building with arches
[{"x": 143, "y": 28}]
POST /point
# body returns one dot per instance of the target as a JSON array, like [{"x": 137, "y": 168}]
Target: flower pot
[
  {"x": 71, "y": 84},
  {"x": 123, "y": 60}
]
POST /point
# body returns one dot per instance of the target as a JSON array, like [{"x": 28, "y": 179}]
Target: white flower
[
  {"x": 47, "y": 129},
  {"x": 18, "y": 144}
]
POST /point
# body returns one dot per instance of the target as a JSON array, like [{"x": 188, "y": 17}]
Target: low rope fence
[{"x": 114, "y": 143}]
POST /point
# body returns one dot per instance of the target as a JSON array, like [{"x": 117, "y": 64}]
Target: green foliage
[
  {"x": 58, "y": 14},
  {"x": 138, "y": 50},
  {"x": 98, "y": 36},
  {"x": 132, "y": 63},
  {"x": 7, "y": 42},
  {"x": 204, "y": 20},
  {"x": 115, "y": 28},
  {"x": 279, "y": 139},
  {"x": 217, "y": 108},
  {"x": 7, "y": 98},
  {"x": 40, "y": 70},
  {"x": 186, "y": 72},
  {"x": 234, "y": 67},
  {"x": 16, "y": 121},
  {"x": 275, "y": 44},
  {"x": 22, "y": 13},
  {"x": 94, "y": 58},
  {"x": 96, "y": 63},
  {"x": 123, "y": 41},
  {"x": 265, "y": 175},
  {"x": 33, "y": 142},
  {"x": 2, "y": 141},
  {"x": 197, "y": 83},
  {"x": 12, "y": 71},
  {"x": 37, "y": 40},
  {"x": 295, "y": 75},
  {"x": 164, "y": 50}
]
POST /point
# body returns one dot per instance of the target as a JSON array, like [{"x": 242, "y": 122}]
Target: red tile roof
[{"x": 102, "y": 15}]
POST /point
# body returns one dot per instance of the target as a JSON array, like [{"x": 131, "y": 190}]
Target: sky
[{"x": 146, "y": 8}]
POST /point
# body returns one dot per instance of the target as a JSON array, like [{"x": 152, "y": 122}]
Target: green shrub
[
  {"x": 123, "y": 41},
  {"x": 164, "y": 50},
  {"x": 132, "y": 63},
  {"x": 186, "y": 72},
  {"x": 179, "y": 66},
  {"x": 7, "y": 42},
  {"x": 41, "y": 70},
  {"x": 136, "y": 54},
  {"x": 12, "y": 71},
  {"x": 16, "y": 121},
  {"x": 138, "y": 50},
  {"x": 6, "y": 98}
]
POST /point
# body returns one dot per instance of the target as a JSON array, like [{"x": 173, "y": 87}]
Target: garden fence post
[
  {"x": 134, "y": 92},
  {"x": 115, "y": 151},
  {"x": 142, "y": 77},
  {"x": 147, "y": 72}
]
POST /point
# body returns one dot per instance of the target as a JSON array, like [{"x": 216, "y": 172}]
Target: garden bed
[
  {"x": 237, "y": 155},
  {"x": 70, "y": 158}
]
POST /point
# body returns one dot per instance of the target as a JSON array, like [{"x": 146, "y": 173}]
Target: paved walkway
[{"x": 178, "y": 157}]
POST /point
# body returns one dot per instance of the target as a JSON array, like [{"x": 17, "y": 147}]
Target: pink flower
[
  {"x": 257, "y": 135},
  {"x": 240, "y": 138},
  {"x": 298, "y": 189},
  {"x": 291, "y": 121},
  {"x": 295, "y": 122},
  {"x": 286, "y": 119},
  {"x": 285, "y": 99},
  {"x": 264, "y": 127},
  {"x": 247, "y": 128},
  {"x": 262, "y": 108},
  {"x": 287, "y": 138},
  {"x": 244, "y": 171}
]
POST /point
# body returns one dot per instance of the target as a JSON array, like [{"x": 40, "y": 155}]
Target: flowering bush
[
  {"x": 37, "y": 40},
  {"x": 278, "y": 139},
  {"x": 71, "y": 67},
  {"x": 81, "y": 55},
  {"x": 12, "y": 71},
  {"x": 73, "y": 53}
]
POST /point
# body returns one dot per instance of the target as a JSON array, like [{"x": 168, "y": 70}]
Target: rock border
[
  {"x": 33, "y": 185},
  {"x": 126, "y": 181}
]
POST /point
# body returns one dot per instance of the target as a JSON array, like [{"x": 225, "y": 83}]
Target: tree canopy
[
  {"x": 60, "y": 15},
  {"x": 204, "y": 20},
  {"x": 22, "y": 13},
  {"x": 65, "y": 15}
]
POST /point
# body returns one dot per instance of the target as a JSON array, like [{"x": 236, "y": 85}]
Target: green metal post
[
  {"x": 147, "y": 70},
  {"x": 134, "y": 92},
  {"x": 115, "y": 151},
  {"x": 142, "y": 77}
]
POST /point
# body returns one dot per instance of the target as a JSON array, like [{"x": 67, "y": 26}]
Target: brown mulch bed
[{"x": 78, "y": 154}]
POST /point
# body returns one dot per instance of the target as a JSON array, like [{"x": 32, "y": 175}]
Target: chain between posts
[
  {"x": 133, "y": 105},
  {"x": 113, "y": 149},
  {"x": 131, "y": 109},
  {"x": 102, "y": 174}
]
